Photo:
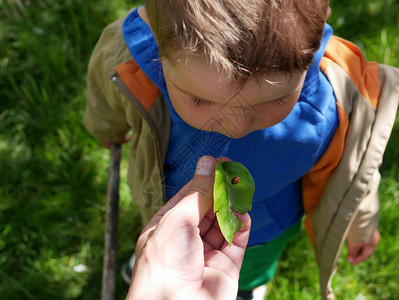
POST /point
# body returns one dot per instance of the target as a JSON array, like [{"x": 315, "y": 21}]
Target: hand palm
[{"x": 205, "y": 262}]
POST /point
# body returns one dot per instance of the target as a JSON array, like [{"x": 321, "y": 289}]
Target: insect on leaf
[{"x": 234, "y": 189}]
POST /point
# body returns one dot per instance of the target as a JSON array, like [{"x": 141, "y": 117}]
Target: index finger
[{"x": 168, "y": 206}]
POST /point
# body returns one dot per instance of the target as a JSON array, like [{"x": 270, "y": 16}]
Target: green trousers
[{"x": 260, "y": 262}]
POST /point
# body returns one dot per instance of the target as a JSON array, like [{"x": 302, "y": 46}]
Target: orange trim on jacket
[
  {"x": 145, "y": 91},
  {"x": 363, "y": 73},
  {"x": 365, "y": 76},
  {"x": 314, "y": 182}
]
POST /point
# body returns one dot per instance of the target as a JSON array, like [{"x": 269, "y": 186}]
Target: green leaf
[{"x": 228, "y": 195}]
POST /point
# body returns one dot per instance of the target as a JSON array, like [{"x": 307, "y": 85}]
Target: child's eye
[
  {"x": 280, "y": 101},
  {"x": 199, "y": 102}
]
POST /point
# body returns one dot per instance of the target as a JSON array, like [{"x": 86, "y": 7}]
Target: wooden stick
[{"x": 111, "y": 229}]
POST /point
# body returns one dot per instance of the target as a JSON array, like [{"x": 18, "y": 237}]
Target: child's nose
[{"x": 240, "y": 128}]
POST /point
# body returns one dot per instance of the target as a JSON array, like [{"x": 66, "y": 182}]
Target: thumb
[
  {"x": 199, "y": 196},
  {"x": 194, "y": 198}
]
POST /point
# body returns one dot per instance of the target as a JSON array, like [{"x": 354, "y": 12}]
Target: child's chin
[
  {"x": 234, "y": 135},
  {"x": 227, "y": 133},
  {"x": 237, "y": 136}
]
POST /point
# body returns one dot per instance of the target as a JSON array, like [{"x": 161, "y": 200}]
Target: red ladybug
[{"x": 235, "y": 180}]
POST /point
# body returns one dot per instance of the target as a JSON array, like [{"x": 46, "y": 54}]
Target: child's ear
[
  {"x": 143, "y": 14},
  {"x": 328, "y": 12}
]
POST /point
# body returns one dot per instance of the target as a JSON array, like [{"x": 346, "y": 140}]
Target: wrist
[
  {"x": 148, "y": 293},
  {"x": 147, "y": 284}
]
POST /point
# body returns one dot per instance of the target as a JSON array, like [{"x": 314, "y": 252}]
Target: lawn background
[{"x": 53, "y": 174}]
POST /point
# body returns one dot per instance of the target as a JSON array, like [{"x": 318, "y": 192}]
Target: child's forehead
[{"x": 196, "y": 77}]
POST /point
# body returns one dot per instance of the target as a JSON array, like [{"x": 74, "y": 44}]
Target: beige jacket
[{"x": 340, "y": 192}]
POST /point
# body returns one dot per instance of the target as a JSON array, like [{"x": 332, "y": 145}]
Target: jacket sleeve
[
  {"x": 367, "y": 215},
  {"x": 105, "y": 115}
]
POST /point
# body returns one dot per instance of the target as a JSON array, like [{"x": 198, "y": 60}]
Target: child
[{"x": 266, "y": 84}]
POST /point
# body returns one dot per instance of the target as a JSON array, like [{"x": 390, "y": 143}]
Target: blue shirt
[{"x": 277, "y": 157}]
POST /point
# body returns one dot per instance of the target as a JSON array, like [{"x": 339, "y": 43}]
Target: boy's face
[{"x": 208, "y": 101}]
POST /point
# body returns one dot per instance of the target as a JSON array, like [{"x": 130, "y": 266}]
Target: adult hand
[
  {"x": 360, "y": 251},
  {"x": 181, "y": 253}
]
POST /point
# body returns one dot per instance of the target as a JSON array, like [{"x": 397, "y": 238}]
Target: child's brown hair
[{"x": 242, "y": 38}]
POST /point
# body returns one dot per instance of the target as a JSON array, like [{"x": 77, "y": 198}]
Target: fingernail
[{"x": 204, "y": 166}]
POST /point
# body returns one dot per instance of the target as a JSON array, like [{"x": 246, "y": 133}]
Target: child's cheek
[{"x": 273, "y": 115}]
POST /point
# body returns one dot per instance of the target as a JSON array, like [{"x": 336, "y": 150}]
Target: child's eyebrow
[{"x": 271, "y": 100}]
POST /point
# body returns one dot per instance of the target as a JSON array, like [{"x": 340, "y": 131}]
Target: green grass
[{"x": 53, "y": 174}]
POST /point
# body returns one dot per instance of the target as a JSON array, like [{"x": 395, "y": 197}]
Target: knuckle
[{"x": 201, "y": 188}]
